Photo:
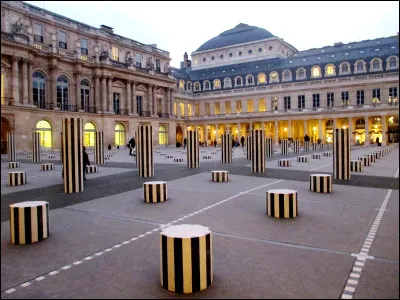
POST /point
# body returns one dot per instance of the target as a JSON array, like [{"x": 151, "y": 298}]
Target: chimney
[
  {"x": 186, "y": 62},
  {"x": 107, "y": 29}
]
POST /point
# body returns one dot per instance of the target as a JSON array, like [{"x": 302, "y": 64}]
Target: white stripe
[
  {"x": 88, "y": 258},
  {"x": 26, "y": 284},
  {"x": 351, "y": 281},
  {"x": 66, "y": 267},
  {"x": 10, "y": 291},
  {"x": 40, "y": 278},
  {"x": 345, "y": 296},
  {"x": 78, "y": 262},
  {"x": 108, "y": 250},
  {"x": 355, "y": 275},
  {"x": 350, "y": 289},
  {"x": 53, "y": 273}
]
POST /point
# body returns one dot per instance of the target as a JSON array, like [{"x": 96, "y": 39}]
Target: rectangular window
[
  {"x": 190, "y": 110},
  {"x": 376, "y": 96},
  {"x": 84, "y": 46},
  {"x": 139, "y": 103},
  {"x": 301, "y": 101},
  {"x": 315, "y": 102},
  {"x": 62, "y": 40},
  {"x": 239, "y": 106},
  {"x": 207, "y": 109},
  {"x": 216, "y": 108},
  {"x": 116, "y": 103},
  {"x": 250, "y": 105},
  {"x": 197, "y": 110},
  {"x": 345, "y": 98},
  {"x": 38, "y": 33},
  {"x": 330, "y": 99},
  {"x": 182, "y": 107},
  {"x": 175, "y": 109},
  {"x": 393, "y": 100},
  {"x": 138, "y": 60},
  {"x": 274, "y": 103},
  {"x": 114, "y": 53},
  {"x": 261, "y": 105},
  {"x": 158, "y": 65},
  {"x": 360, "y": 97},
  {"x": 286, "y": 102},
  {"x": 228, "y": 107}
]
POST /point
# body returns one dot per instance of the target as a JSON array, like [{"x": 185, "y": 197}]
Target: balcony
[
  {"x": 163, "y": 115},
  {"x": 119, "y": 111},
  {"x": 89, "y": 109},
  {"x": 67, "y": 107},
  {"x": 144, "y": 113},
  {"x": 44, "y": 105}
]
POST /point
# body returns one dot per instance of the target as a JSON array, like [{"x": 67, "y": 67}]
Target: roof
[{"x": 240, "y": 34}]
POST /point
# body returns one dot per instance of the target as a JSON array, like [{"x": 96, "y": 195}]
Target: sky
[{"x": 183, "y": 26}]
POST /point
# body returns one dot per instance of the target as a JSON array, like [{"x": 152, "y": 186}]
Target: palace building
[{"x": 245, "y": 78}]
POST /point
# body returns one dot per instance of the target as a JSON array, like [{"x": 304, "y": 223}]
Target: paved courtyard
[{"x": 105, "y": 241}]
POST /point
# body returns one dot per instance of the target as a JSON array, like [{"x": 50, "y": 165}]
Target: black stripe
[
  {"x": 28, "y": 225},
  {"x": 208, "y": 258},
  {"x": 178, "y": 264},
  {"x": 158, "y": 191},
  {"x": 40, "y": 222},
  {"x": 16, "y": 225},
  {"x": 322, "y": 185},
  {"x": 272, "y": 197},
  {"x": 195, "y": 247},
  {"x": 281, "y": 205},
  {"x": 291, "y": 200},
  {"x": 297, "y": 210},
  {"x": 164, "y": 247}
]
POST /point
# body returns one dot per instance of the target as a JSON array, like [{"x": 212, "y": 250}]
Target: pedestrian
[
  {"x": 215, "y": 143},
  {"x": 242, "y": 141},
  {"x": 86, "y": 162},
  {"x": 184, "y": 143},
  {"x": 319, "y": 141},
  {"x": 306, "y": 138},
  {"x": 132, "y": 145},
  {"x": 109, "y": 147}
]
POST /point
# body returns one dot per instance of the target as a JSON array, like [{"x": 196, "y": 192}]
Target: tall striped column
[
  {"x": 248, "y": 147},
  {"x": 193, "y": 155},
  {"x": 144, "y": 156},
  {"x": 257, "y": 151},
  {"x": 72, "y": 129},
  {"x": 269, "y": 147},
  {"x": 61, "y": 147},
  {"x": 11, "y": 151},
  {"x": 306, "y": 146},
  {"x": 284, "y": 147},
  {"x": 296, "y": 146},
  {"x": 36, "y": 155},
  {"x": 341, "y": 154},
  {"x": 136, "y": 150},
  {"x": 99, "y": 154},
  {"x": 314, "y": 146},
  {"x": 226, "y": 151}
]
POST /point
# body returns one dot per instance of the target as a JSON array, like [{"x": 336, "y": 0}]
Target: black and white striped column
[
  {"x": 155, "y": 191},
  {"x": 226, "y": 149},
  {"x": 372, "y": 157},
  {"x": 178, "y": 159},
  {"x": 99, "y": 149},
  {"x": 16, "y": 178},
  {"x": 296, "y": 146},
  {"x": 356, "y": 166},
  {"x": 257, "y": 151},
  {"x": 29, "y": 222},
  {"x": 327, "y": 154},
  {"x": 219, "y": 176},
  {"x": 316, "y": 156},
  {"x": 302, "y": 159},
  {"x": 145, "y": 151},
  {"x": 306, "y": 146},
  {"x": 11, "y": 150},
  {"x": 314, "y": 146},
  {"x": 248, "y": 147},
  {"x": 47, "y": 167},
  {"x": 186, "y": 260},
  {"x": 13, "y": 165},
  {"x": 284, "y": 162},
  {"x": 282, "y": 203},
  {"x": 364, "y": 160},
  {"x": 72, "y": 129},
  {"x": 284, "y": 146},
  {"x": 36, "y": 156},
  {"x": 61, "y": 147},
  {"x": 269, "y": 147},
  {"x": 341, "y": 154},
  {"x": 321, "y": 183},
  {"x": 91, "y": 169},
  {"x": 193, "y": 155}
]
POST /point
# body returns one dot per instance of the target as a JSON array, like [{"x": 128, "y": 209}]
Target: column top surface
[
  {"x": 29, "y": 204},
  {"x": 185, "y": 231},
  {"x": 282, "y": 191}
]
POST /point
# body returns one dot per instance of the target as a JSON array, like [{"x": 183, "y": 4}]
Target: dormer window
[
  {"x": 204, "y": 59},
  {"x": 240, "y": 53},
  {"x": 330, "y": 70},
  {"x": 238, "y": 81},
  {"x": 301, "y": 74},
  {"x": 217, "y": 84},
  {"x": 316, "y": 72},
  {"x": 274, "y": 77},
  {"x": 227, "y": 83},
  {"x": 376, "y": 65},
  {"x": 261, "y": 78},
  {"x": 206, "y": 85},
  {"x": 250, "y": 51},
  {"x": 197, "y": 86},
  {"x": 393, "y": 63},
  {"x": 250, "y": 80},
  {"x": 181, "y": 84},
  {"x": 287, "y": 76},
  {"x": 360, "y": 67}
]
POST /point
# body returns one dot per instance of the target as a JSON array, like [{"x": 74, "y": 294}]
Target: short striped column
[
  {"x": 186, "y": 262},
  {"x": 155, "y": 191},
  {"x": 321, "y": 183},
  {"x": 91, "y": 169},
  {"x": 296, "y": 146},
  {"x": 169, "y": 156},
  {"x": 364, "y": 160},
  {"x": 144, "y": 144},
  {"x": 306, "y": 146},
  {"x": 178, "y": 159},
  {"x": 302, "y": 159},
  {"x": 321, "y": 146},
  {"x": 284, "y": 162},
  {"x": 341, "y": 154},
  {"x": 284, "y": 147},
  {"x": 257, "y": 151},
  {"x": 378, "y": 154},
  {"x": 248, "y": 147},
  {"x": 282, "y": 203},
  {"x": 36, "y": 156},
  {"x": 226, "y": 148},
  {"x": 314, "y": 146},
  {"x": 99, "y": 149},
  {"x": 316, "y": 156},
  {"x": 372, "y": 157},
  {"x": 47, "y": 167},
  {"x": 206, "y": 156},
  {"x": 327, "y": 154},
  {"x": 356, "y": 166},
  {"x": 219, "y": 176},
  {"x": 11, "y": 150},
  {"x": 13, "y": 164},
  {"x": 16, "y": 178},
  {"x": 193, "y": 155},
  {"x": 269, "y": 147},
  {"x": 29, "y": 222},
  {"x": 72, "y": 129}
]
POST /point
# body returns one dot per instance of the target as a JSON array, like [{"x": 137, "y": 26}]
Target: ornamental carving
[{"x": 104, "y": 53}]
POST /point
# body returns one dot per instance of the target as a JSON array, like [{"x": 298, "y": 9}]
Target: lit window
[
  {"x": 181, "y": 85},
  {"x": 329, "y": 70},
  {"x": 119, "y": 135},
  {"x": 261, "y": 105},
  {"x": 44, "y": 128},
  {"x": 89, "y": 135},
  {"x": 274, "y": 77},
  {"x": 250, "y": 105},
  {"x": 316, "y": 72},
  {"x": 217, "y": 84},
  {"x": 162, "y": 135},
  {"x": 262, "y": 78},
  {"x": 114, "y": 53}
]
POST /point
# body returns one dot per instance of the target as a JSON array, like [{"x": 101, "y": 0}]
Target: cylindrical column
[
  {"x": 134, "y": 101},
  {"x": 25, "y": 82},
  {"x": 306, "y": 146},
  {"x": 11, "y": 150},
  {"x": 282, "y": 203},
  {"x": 248, "y": 147},
  {"x": 193, "y": 155},
  {"x": 367, "y": 142},
  {"x": 257, "y": 151},
  {"x": 314, "y": 146},
  {"x": 150, "y": 99},
  {"x": 99, "y": 154},
  {"x": 186, "y": 263},
  {"x": 276, "y": 135},
  {"x": 144, "y": 144},
  {"x": 110, "y": 107},
  {"x": 284, "y": 147},
  {"x": 155, "y": 191},
  {"x": 104, "y": 93},
  {"x": 30, "y": 88},
  {"x": 72, "y": 129},
  {"x": 226, "y": 149},
  {"x": 321, "y": 183},
  {"x": 36, "y": 155},
  {"x": 341, "y": 154},
  {"x": 128, "y": 97},
  {"x": 269, "y": 147},
  {"x": 15, "y": 80},
  {"x": 97, "y": 90},
  {"x": 296, "y": 146}
]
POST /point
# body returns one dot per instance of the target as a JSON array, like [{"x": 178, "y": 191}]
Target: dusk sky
[{"x": 184, "y": 26}]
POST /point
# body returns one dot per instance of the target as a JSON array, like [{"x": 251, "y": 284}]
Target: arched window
[
  {"x": 316, "y": 72},
  {"x": 360, "y": 66},
  {"x": 189, "y": 86},
  {"x": 227, "y": 83},
  {"x": 62, "y": 92},
  {"x": 162, "y": 135},
  {"x": 393, "y": 63},
  {"x": 206, "y": 85},
  {"x": 119, "y": 135},
  {"x": 301, "y": 74},
  {"x": 39, "y": 89},
  {"x": 330, "y": 70},
  {"x": 197, "y": 86},
  {"x": 287, "y": 76},
  {"x": 181, "y": 85},
  {"x": 85, "y": 91},
  {"x": 238, "y": 81},
  {"x": 44, "y": 128},
  {"x": 360, "y": 123},
  {"x": 89, "y": 132},
  {"x": 217, "y": 84},
  {"x": 261, "y": 78},
  {"x": 274, "y": 77},
  {"x": 329, "y": 124},
  {"x": 345, "y": 68},
  {"x": 376, "y": 64},
  {"x": 250, "y": 79}
]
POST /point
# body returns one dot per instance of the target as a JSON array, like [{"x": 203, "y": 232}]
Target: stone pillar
[
  {"x": 320, "y": 129},
  {"x": 185, "y": 110},
  {"x": 97, "y": 93},
  {"x": 53, "y": 85},
  {"x": 384, "y": 130},
  {"x": 25, "y": 82},
  {"x": 99, "y": 154},
  {"x": 257, "y": 151},
  {"x": 134, "y": 101},
  {"x": 269, "y": 147},
  {"x": 15, "y": 80},
  {"x": 78, "y": 90},
  {"x": 171, "y": 104},
  {"x": 178, "y": 110},
  {"x": 154, "y": 101},
  {"x": 11, "y": 150},
  {"x": 305, "y": 127},
  {"x": 36, "y": 155},
  {"x": 276, "y": 129},
  {"x": 248, "y": 147},
  {"x": 351, "y": 140},
  {"x": 284, "y": 147},
  {"x": 73, "y": 167},
  {"x": 206, "y": 134},
  {"x": 110, "y": 103},
  {"x": 290, "y": 131},
  {"x": 192, "y": 149},
  {"x": 167, "y": 104},
  {"x": 341, "y": 154},
  {"x": 306, "y": 146},
  {"x": 30, "y": 87},
  {"x": 366, "y": 131},
  {"x": 144, "y": 154},
  {"x": 104, "y": 94},
  {"x": 226, "y": 148},
  {"x": 128, "y": 97}
]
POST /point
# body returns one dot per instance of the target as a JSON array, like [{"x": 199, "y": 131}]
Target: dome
[{"x": 242, "y": 33}]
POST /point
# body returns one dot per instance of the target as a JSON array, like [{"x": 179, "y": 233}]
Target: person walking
[
  {"x": 242, "y": 141},
  {"x": 132, "y": 145},
  {"x": 306, "y": 138},
  {"x": 86, "y": 162},
  {"x": 184, "y": 143}
]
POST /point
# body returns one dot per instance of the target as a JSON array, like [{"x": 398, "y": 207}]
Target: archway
[
  {"x": 360, "y": 131},
  {"x": 119, "y": 135},
  {"x": 162, "y": 135},
  {"x": 329, "y": 131},
  {"x": 179, "y": 134},
  {"x": 44, "y": 128},
  {"x": 88, "y": 134},
  {"x": 5, "y": 129}
]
